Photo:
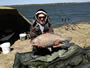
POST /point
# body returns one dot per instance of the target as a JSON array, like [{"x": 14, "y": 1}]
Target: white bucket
[
  {"x": 22, "y": 36},
  {"x": 5, "y": 47}
]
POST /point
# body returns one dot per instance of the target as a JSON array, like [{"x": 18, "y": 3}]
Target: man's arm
[{"x": 33, "y": 33}]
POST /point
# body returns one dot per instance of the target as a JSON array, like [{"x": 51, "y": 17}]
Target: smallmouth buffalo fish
[{"x": 48, "y": 40}]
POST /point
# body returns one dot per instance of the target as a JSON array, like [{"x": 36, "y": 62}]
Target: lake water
[{"x": 59, "y": 13}]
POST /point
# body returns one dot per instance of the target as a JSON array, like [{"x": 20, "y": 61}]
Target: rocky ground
[{"x": 80, "y": 34}]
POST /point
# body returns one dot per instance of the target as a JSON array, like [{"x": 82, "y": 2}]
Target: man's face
[{"x": 41, "y": 18}]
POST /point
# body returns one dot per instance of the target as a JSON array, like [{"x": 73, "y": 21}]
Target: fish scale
[{"x": 48, "y": 39}]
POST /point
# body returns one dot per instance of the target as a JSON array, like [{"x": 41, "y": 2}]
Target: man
[{"x": 41, "y": 24}]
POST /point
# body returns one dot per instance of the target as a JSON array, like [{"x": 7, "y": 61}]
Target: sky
[{"x": 20, "y": 2}]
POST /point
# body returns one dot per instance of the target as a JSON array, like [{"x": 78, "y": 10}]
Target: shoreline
[{"x": 73, "y": 23}]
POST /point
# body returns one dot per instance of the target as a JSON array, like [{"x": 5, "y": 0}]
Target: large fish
[{"x": 48, "y": 40}]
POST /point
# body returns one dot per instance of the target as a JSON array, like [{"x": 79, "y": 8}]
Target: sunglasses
[{"x": 41, "y": 17}]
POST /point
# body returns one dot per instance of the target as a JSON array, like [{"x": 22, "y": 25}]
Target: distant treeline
[{"x": 50, "y": 4}]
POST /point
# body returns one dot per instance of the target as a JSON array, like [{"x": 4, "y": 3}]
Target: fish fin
[
  {"x": 50, "y": 49},
  {"x": 38, "y": 45},
  {"x": 57, "y": 42}
]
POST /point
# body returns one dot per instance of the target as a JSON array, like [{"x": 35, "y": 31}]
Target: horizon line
[{"x": 44, "y": 3}]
